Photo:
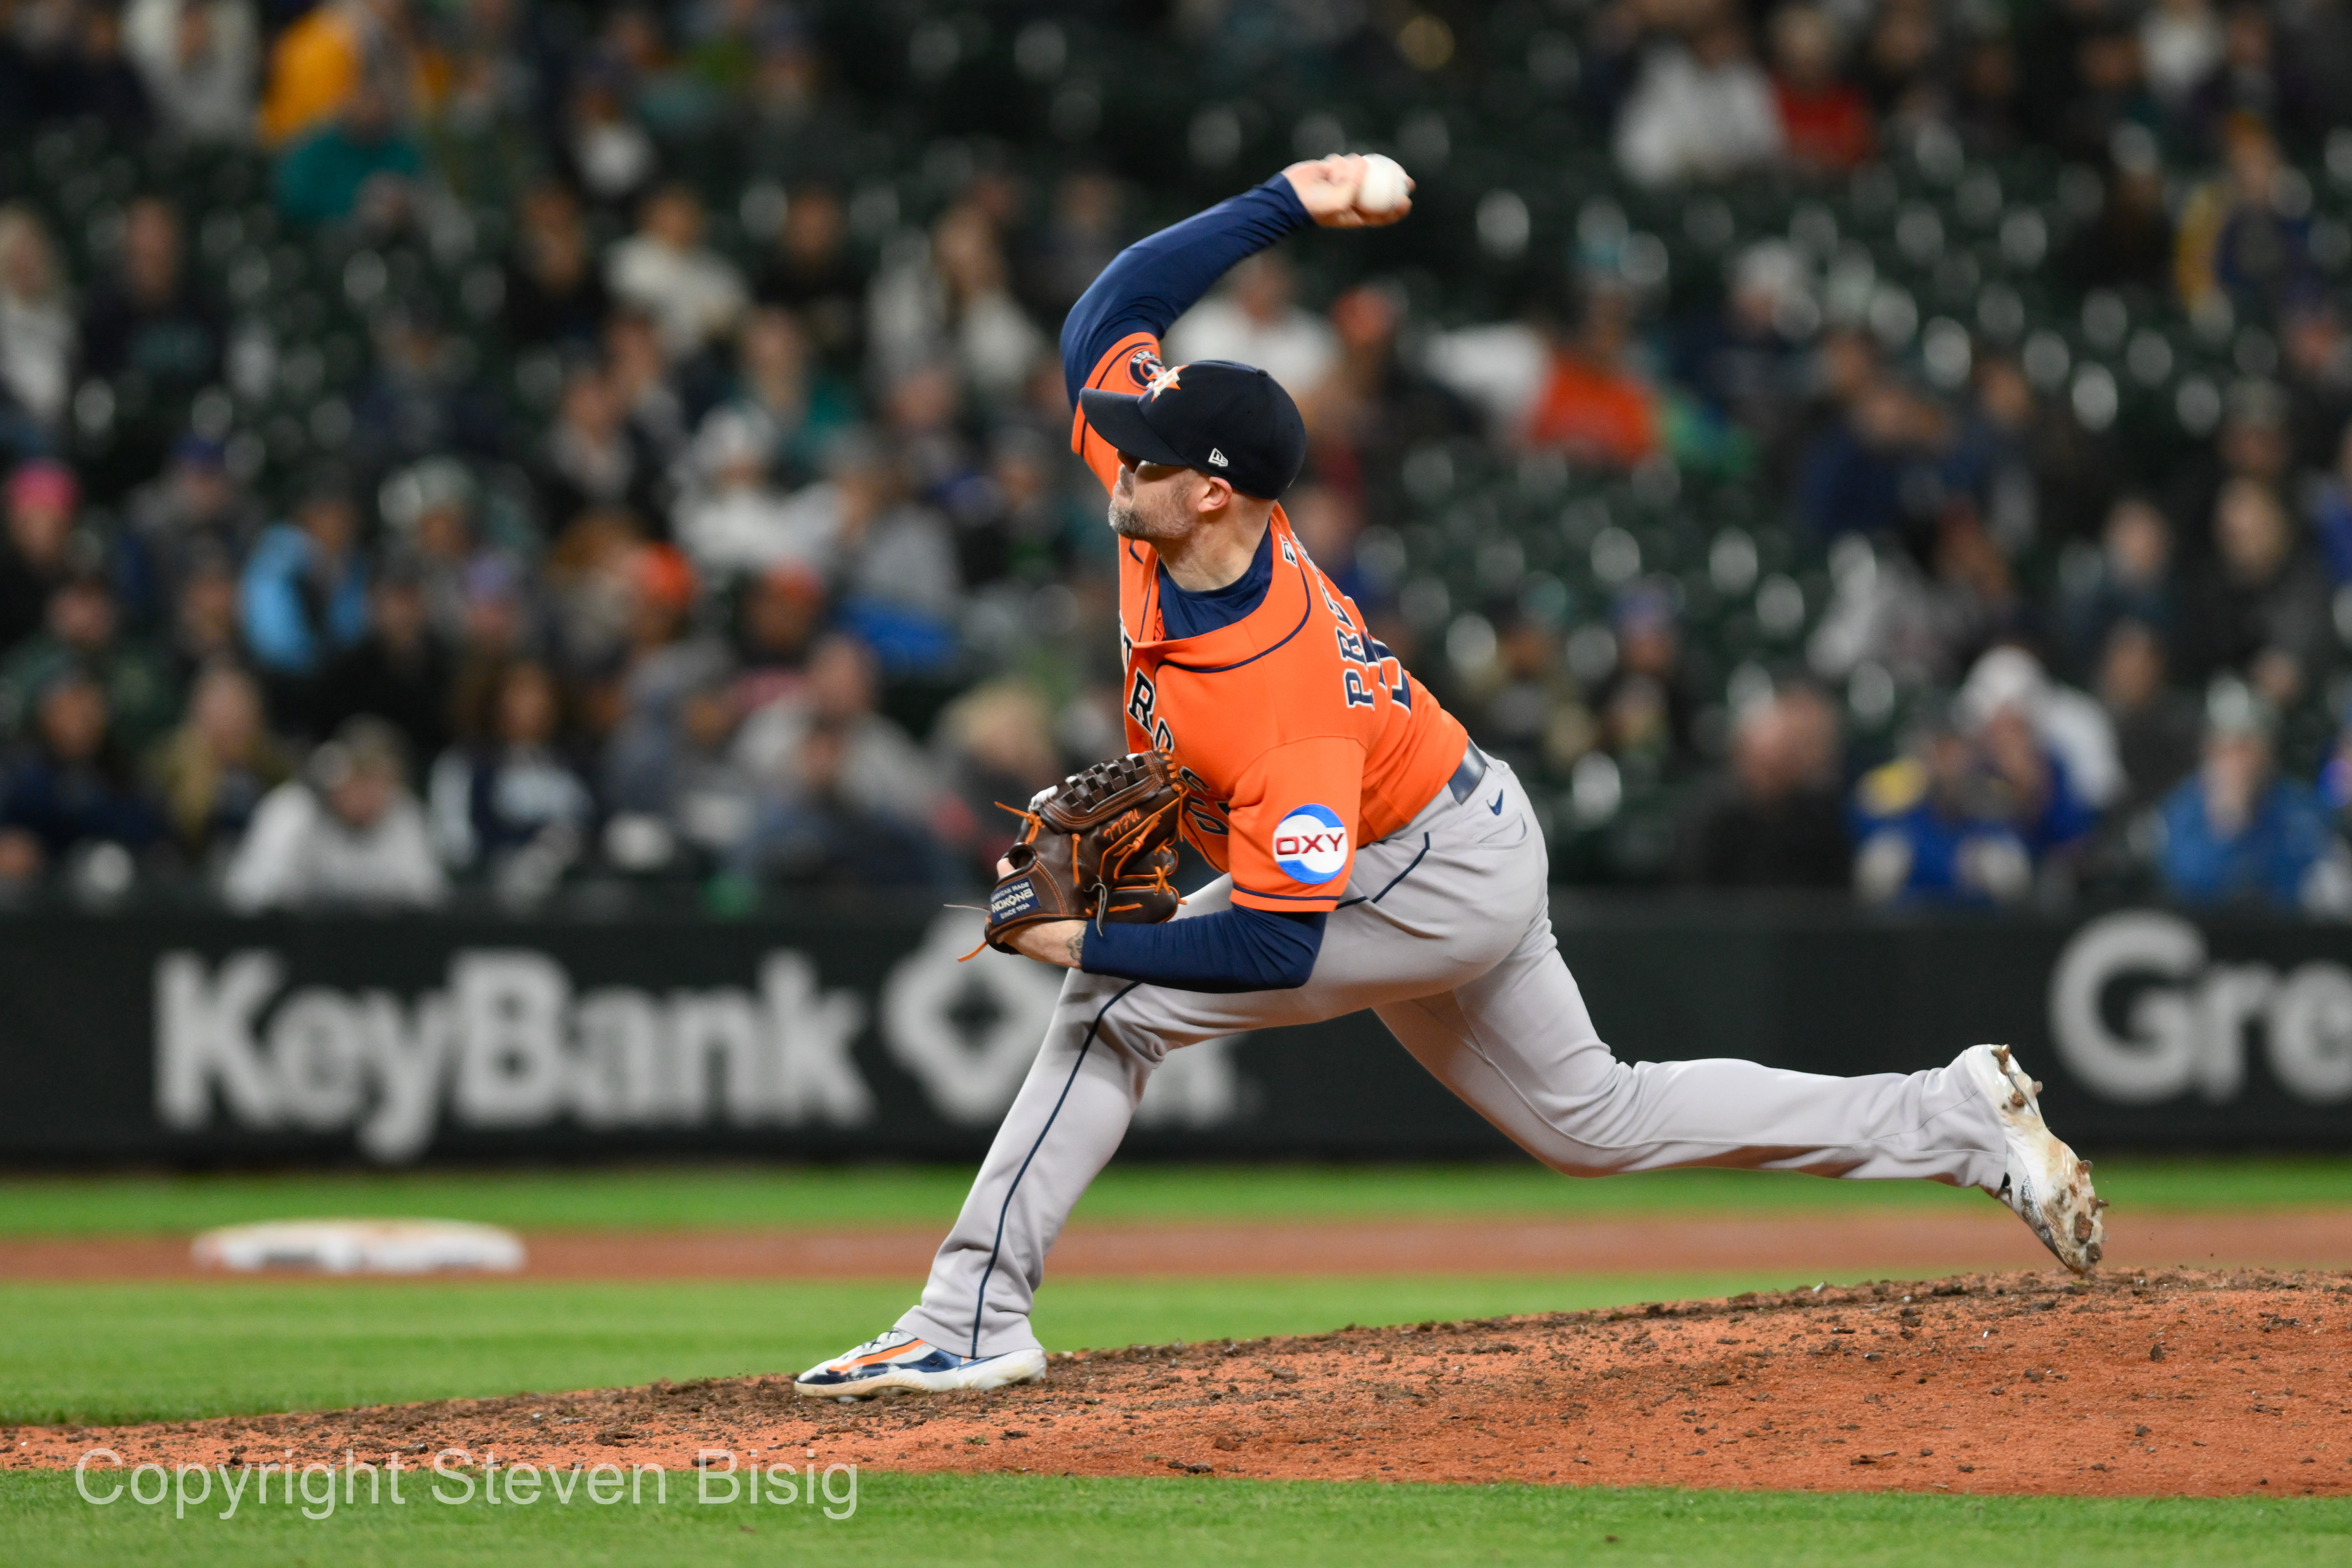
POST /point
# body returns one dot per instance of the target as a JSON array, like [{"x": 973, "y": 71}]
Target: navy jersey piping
[
  {"x": 1221, "y": 668},
  {"x": 1288, "y": 898},
  {"x": 1384, "y": 892}
]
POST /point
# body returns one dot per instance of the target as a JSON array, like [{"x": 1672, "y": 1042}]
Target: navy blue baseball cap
[{"x": 1230, "y": 420}]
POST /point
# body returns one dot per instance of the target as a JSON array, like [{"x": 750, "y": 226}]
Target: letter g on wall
[
  {"x": 2185, "y": 1019},
  {"x": 2156, "y": 1057}
]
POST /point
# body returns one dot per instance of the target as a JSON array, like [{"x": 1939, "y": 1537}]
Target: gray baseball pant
[{"x": 1445, "y": 936}]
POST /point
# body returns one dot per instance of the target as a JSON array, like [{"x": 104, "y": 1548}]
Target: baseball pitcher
[{"x": 1372, "y": 857}]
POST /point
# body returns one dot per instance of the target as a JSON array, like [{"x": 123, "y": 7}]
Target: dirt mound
[{"x": 2173, "y": 1383}]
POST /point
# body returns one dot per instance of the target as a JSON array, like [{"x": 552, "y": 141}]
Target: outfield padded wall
[{"x": 200, "y": 1039}]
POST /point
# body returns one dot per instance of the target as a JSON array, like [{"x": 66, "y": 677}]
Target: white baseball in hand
[{"x": 1384, "y": 187}]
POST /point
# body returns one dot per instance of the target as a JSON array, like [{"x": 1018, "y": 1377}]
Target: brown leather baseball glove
[{"x": 1101, "y": 847}]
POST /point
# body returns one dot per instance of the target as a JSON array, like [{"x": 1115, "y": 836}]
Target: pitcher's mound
[{"x": 2179, "y": 1383}]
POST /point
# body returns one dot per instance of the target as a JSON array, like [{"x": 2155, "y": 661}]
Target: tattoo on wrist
[{"x": 1077, "y": 945}]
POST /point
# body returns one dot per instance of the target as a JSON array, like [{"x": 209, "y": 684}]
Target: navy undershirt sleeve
[
  {"x": 1155, "y": 280},
  {"x": 1236, "y": 949}
]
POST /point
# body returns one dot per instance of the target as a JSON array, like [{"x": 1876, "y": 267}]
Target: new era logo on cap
[{"x": 1234, "y": 420}]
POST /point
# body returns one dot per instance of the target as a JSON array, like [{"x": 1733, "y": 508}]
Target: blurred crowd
[
  {"x": 720, "y": 530},
  {"x": 2100, "y": 657}
]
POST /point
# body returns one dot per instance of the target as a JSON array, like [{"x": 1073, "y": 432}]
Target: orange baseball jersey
[{"x": 1300, "y": 735}]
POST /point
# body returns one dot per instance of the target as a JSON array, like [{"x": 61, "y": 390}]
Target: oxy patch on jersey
[{"x": 1310, "y": 844}]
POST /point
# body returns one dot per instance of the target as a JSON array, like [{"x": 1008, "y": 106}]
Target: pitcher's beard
[
  {"x": 1168, "y": 522},
  {"x": 1129, "y": 523}
]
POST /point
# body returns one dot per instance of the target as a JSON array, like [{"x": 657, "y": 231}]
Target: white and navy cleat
[
  {"x": 900, "y": 1359},
  {"x": 2046, "y": 1184}
]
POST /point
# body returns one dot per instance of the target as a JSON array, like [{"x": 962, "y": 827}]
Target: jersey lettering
[
  {"x": 1332, "y": 602},
  {"x": 1369, "y": 662},
  {"x": 1139, "y": 700},
  {"x": 1392, "y": 675}
]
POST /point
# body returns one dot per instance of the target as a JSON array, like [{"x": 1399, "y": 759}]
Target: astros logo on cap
[
  {"x": 1310, "y": 844},
  {"x": 1164, "y": 381}
]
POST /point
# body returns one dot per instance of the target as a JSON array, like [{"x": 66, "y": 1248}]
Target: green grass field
[
  {"x": 103, "y": 1352},
  {"x": 735, "y": 1197},
  {"x": 973, "y": 1521}
]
